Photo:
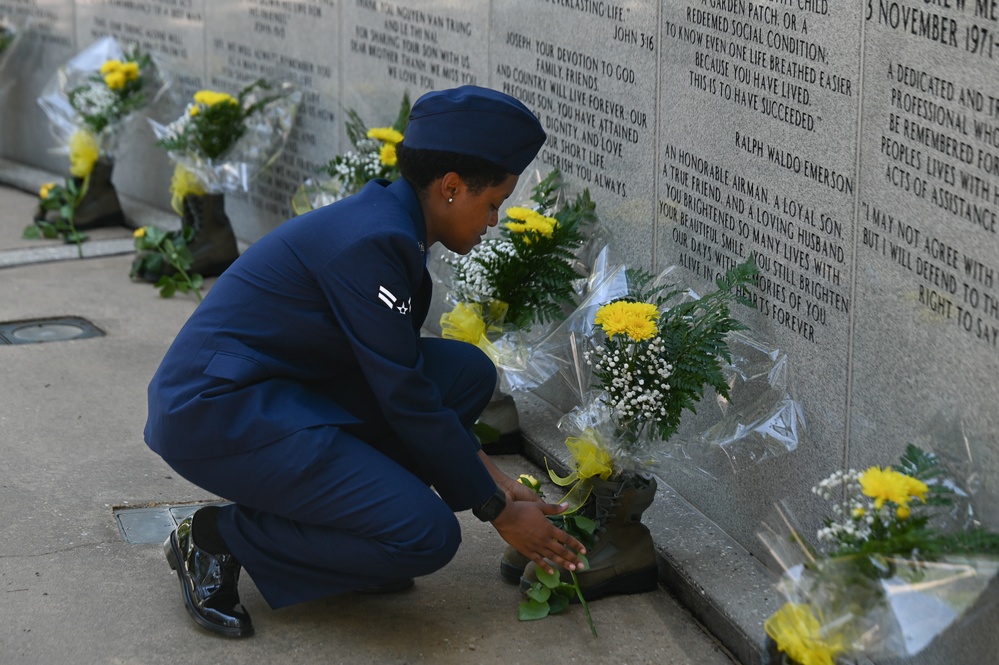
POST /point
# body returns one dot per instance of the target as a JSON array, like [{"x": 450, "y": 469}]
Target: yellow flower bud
[
  {"x": 211, "y": 98},
  {"x": 859, "y": 512},
  {"x": 903, "y": 512},
  {"x": 387, "y": 155},
  {"x": 139, "y": 232},
  {"x": 115, "y": 80},
  {"x": 194, "y": 110},
  {"x": 110, "y": 66},
  {"x": 45, "y": 190},
  {"x": 130, "y": 70}
]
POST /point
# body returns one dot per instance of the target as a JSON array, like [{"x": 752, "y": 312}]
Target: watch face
[{"x": 491, "y": 509}]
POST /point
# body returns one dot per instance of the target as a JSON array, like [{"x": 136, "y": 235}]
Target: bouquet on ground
[
  {"x": 510, "y": 289},
  {"x": 900, "y": 559},
  {"x": 644, "y": 357},
  {"x": 372, "y": 156},
  {"x": 88, "y": 104},
  {"x": 220, "y": 143}
]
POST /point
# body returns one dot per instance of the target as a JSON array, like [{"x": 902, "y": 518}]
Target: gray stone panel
[
  {"x": 392, "y": 48},
  {"x": 759, "y": 112},
  {"x": 589, "y": 72},
  {"x": 49, "y": 42},
  {"x": 926, "y": 353},
  {"x": 299, "y": 42},
  {"x": 174, "y": 35}
]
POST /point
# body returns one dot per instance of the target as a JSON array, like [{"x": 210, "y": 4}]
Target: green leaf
[
  {"x": 532, "y": 610},
  {"x": 558, "y": 602},
  {"x": 539, "y": 592},
  {"x": 550, "y": 580},
  {"x": 32, "y": 232}
]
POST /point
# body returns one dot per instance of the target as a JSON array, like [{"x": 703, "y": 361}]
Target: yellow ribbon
[
  {"x": 183, "y": 183},
  {"x": 589, "y": 460},
  {"x": 465, "y": 324}
]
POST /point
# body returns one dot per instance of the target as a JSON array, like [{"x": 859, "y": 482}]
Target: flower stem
[{"x": 582, "y": 601}]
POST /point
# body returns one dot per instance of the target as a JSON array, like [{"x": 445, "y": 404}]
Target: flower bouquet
[
  {"x": 507, "y": 293},
  {"x": 899, "y": 561},
  {"x": 372, "y": 156},
  {"x": 643, "y": 358},
  {"x": 88, "y": 104},
  {"x": 219, "y": 143}
]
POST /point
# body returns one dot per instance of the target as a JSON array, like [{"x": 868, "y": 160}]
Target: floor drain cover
[
  {"x": 47, "y": 330},
  {"x": 151, "y": 526}
]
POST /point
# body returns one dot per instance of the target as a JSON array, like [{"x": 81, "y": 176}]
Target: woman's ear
[{"x": 451, "y": 185}]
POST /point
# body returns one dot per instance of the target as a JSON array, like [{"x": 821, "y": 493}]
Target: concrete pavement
[{"x": 74, "y": 591}]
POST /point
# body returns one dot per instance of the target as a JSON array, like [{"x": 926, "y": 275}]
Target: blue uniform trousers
[{"x": 328, "y": 510}]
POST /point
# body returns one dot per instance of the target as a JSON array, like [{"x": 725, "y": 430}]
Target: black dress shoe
[{"x": 209, "y": 584}]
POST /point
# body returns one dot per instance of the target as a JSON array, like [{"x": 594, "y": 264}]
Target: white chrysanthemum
[{"x": 95, "y": 100}]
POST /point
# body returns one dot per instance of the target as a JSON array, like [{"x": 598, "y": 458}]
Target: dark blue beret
[{"x": 476, "y": 121}]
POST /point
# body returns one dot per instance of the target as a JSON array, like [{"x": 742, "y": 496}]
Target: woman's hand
[{"x": 524, "y": 525}]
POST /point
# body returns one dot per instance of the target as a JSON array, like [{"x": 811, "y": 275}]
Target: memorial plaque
[
  {"x": 759, "y": 105},
  {"x": 589, "y": 71},
  {"x": 411, "y": 46},
  {"x": 926, "y": 340},
  {"x": 290, "y": 41},
  {"x": 48, "y": 43},
  {"x": 172, "y": 31}
]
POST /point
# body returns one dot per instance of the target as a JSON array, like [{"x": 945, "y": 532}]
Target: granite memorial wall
[{"x": 852, "y": 147}]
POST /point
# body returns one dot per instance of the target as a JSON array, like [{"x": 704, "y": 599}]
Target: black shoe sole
[
  {"x": 511, "y": 574},
  {"x": 172, "y": 551}
]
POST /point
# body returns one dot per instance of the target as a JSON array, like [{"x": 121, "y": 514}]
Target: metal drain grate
[
  {"x": 58, "y": 329},
  {"x": 151, "y": 526}
]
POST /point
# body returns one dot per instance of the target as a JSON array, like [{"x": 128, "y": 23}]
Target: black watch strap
[{"x": 493, "y": 506}]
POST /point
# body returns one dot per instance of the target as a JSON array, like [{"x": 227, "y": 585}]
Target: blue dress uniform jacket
[{"x": 317, "y": 325}]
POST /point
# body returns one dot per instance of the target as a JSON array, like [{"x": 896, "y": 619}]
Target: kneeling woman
[{"x": 302, "y": 391}]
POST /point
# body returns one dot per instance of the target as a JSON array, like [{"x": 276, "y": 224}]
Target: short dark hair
[{"x": 422, "y": 167}]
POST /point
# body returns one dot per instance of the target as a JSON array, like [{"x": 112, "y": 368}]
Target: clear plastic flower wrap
[
  {"x": 901, "y": 559},
  {"x": 99, "y": 89},
  {"x": 625, "y": 391},
  {"x": 225, "y": 141},
  {"x": 514, "y": 288}
]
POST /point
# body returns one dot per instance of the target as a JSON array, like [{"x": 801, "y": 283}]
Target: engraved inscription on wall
[
  {"x": 420, "y": 47},
  {"x": 595, "y": 99},
  {"x": 938, "y": 153},
  {"x": 763, "y": 187},
  {"x": 287, "y": 41}
]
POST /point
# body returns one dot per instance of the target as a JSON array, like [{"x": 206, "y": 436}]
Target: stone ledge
[{"x": 722, "y": 585}]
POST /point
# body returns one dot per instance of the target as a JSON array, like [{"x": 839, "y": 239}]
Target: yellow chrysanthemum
[
  {"x": 130, "y": 70},
  {"x": 890, "y": 485},
  {"x": 139, "y": 232},
  {"x": 45, "y": 190},
  {"x": 387, "y": 155},
  {"x": 386, "y": 134},
  {"x": 798, "y": 633},
  {"x": 83, "y": 153},
  {"x": 211, "y": 98},
  {"x": 110, "y": 66},
  {"x": 115, "y": 80},
  {"x": 526, "y": 220},
  {"x": 637, "y": 320}
]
